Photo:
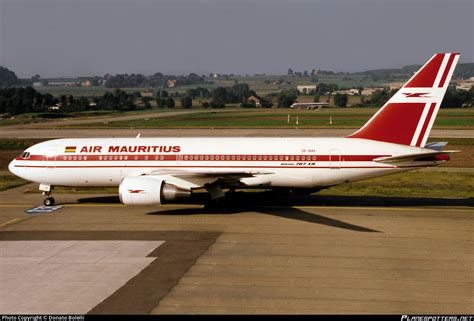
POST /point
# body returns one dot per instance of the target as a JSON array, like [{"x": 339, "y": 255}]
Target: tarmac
[{"x": 267, "y": 254}]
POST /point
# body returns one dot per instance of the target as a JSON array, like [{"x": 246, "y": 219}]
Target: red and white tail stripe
[{"x": 408, "y": 116}]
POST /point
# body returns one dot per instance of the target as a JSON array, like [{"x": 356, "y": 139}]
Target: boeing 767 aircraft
[{"x": 154, "y": 171}]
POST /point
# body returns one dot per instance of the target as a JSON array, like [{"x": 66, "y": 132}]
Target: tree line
[
  {"x": 156, "y": 80},
  {"x": 20, "y": 100}
]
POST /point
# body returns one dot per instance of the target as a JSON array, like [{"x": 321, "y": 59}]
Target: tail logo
[
  {"x": 416, "y": 95},
  {"x": 407, "y": 118}
]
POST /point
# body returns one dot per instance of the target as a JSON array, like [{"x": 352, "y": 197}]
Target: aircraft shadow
[
  {"x": 281, "y": 205},
  {"x": 113, "y": 199},
  {"x": 281, "y": 211},
  {"x": 272, "y": 199}
]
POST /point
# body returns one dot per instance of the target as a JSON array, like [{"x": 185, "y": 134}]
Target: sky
[{"x": 65, "y": 38}]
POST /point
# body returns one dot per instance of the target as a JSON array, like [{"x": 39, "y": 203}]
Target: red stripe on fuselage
[
  {"x": 172, "y": 166},
  {"x": 202, "y": 157}
]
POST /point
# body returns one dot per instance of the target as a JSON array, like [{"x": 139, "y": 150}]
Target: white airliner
[
  {"x": 310, "y": 105},
  {"x": 153, "y": 171}
]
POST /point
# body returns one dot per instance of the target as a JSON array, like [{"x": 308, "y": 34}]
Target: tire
[{"x": 49, "y": 201}]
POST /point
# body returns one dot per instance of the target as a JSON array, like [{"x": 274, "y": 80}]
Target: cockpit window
[{"x": 25, "y": 155}]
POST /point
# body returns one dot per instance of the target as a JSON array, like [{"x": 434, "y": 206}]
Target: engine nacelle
[{"x": 150, "y": 191}]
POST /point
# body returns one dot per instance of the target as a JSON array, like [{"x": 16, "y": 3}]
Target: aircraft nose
[{"x": 11, "y": 167}]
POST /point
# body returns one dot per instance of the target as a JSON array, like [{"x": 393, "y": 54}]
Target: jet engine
[{"x": 151, "y": 191}]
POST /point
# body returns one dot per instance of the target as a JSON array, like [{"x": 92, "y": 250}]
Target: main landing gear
[{"x": 47, "y": 191}]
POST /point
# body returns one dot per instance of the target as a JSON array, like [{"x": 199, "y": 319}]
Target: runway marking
[{"x": 13, "y": 221}]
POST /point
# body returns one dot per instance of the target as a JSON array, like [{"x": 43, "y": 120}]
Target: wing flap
[{"x": 194, "y": 179}]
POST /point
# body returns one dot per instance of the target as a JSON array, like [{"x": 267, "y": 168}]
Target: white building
[
  {"x": 396, "y": 85},
  {"x": 465, "y": 86},
  {"x": 349, "y": 92},
  {"x": 370, "y": 91},
  {"x": 306, "y": 89}
]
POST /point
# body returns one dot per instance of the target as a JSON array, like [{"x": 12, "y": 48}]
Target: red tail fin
[{"x": 408, "y": 116}]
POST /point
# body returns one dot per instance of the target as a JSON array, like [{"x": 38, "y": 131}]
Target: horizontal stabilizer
[
  {"x": 419, "y": 157},
  {"x": 436, "y": 145}
]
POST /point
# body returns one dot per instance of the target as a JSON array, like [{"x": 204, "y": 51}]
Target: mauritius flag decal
[{"x": 70, "y": 149}]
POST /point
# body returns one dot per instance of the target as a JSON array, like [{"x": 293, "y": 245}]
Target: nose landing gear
[
  {"x": 49, "y": 201},
  {"x": 47, "y": 191}
]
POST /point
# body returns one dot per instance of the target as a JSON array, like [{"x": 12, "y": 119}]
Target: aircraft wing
[
  {"x": 191, "y": 179},
  {"x": 418, "y": 157}
]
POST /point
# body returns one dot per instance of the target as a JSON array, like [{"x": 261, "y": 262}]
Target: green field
[
  {"x": 432, "y": 183},
  {"x": 32, "y": 118},
  {"x": 256, "y": 83},
  {"x": 80, "y": 91},
  {"x": 8, "y": 181},
  {"x": 278, "y": 118}
]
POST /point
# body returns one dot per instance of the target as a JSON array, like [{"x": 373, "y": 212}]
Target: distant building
[
  {"x": 306, "y": 89},
  {"x": 86, "y": 83},
  {"x": 170, "y": 83},
  {"x": 396, "y": 85},
  {"x": 466, "y": 86},
  {"x": 55, "y": 107},
  {"x": 62, "y": 83},
  {"x": 257, "y": 100},
  {"x": 349, "y": 92},
  {"x": 370, "y": 91},
  {"x": 38, "y": 84},
  {"x": 147, "y": 93}
]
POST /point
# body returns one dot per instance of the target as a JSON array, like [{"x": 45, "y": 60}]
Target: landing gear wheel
[{"x": 49, "y": 201}]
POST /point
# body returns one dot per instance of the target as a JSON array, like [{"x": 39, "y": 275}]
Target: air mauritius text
[{"x": 131, "y": 149}]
